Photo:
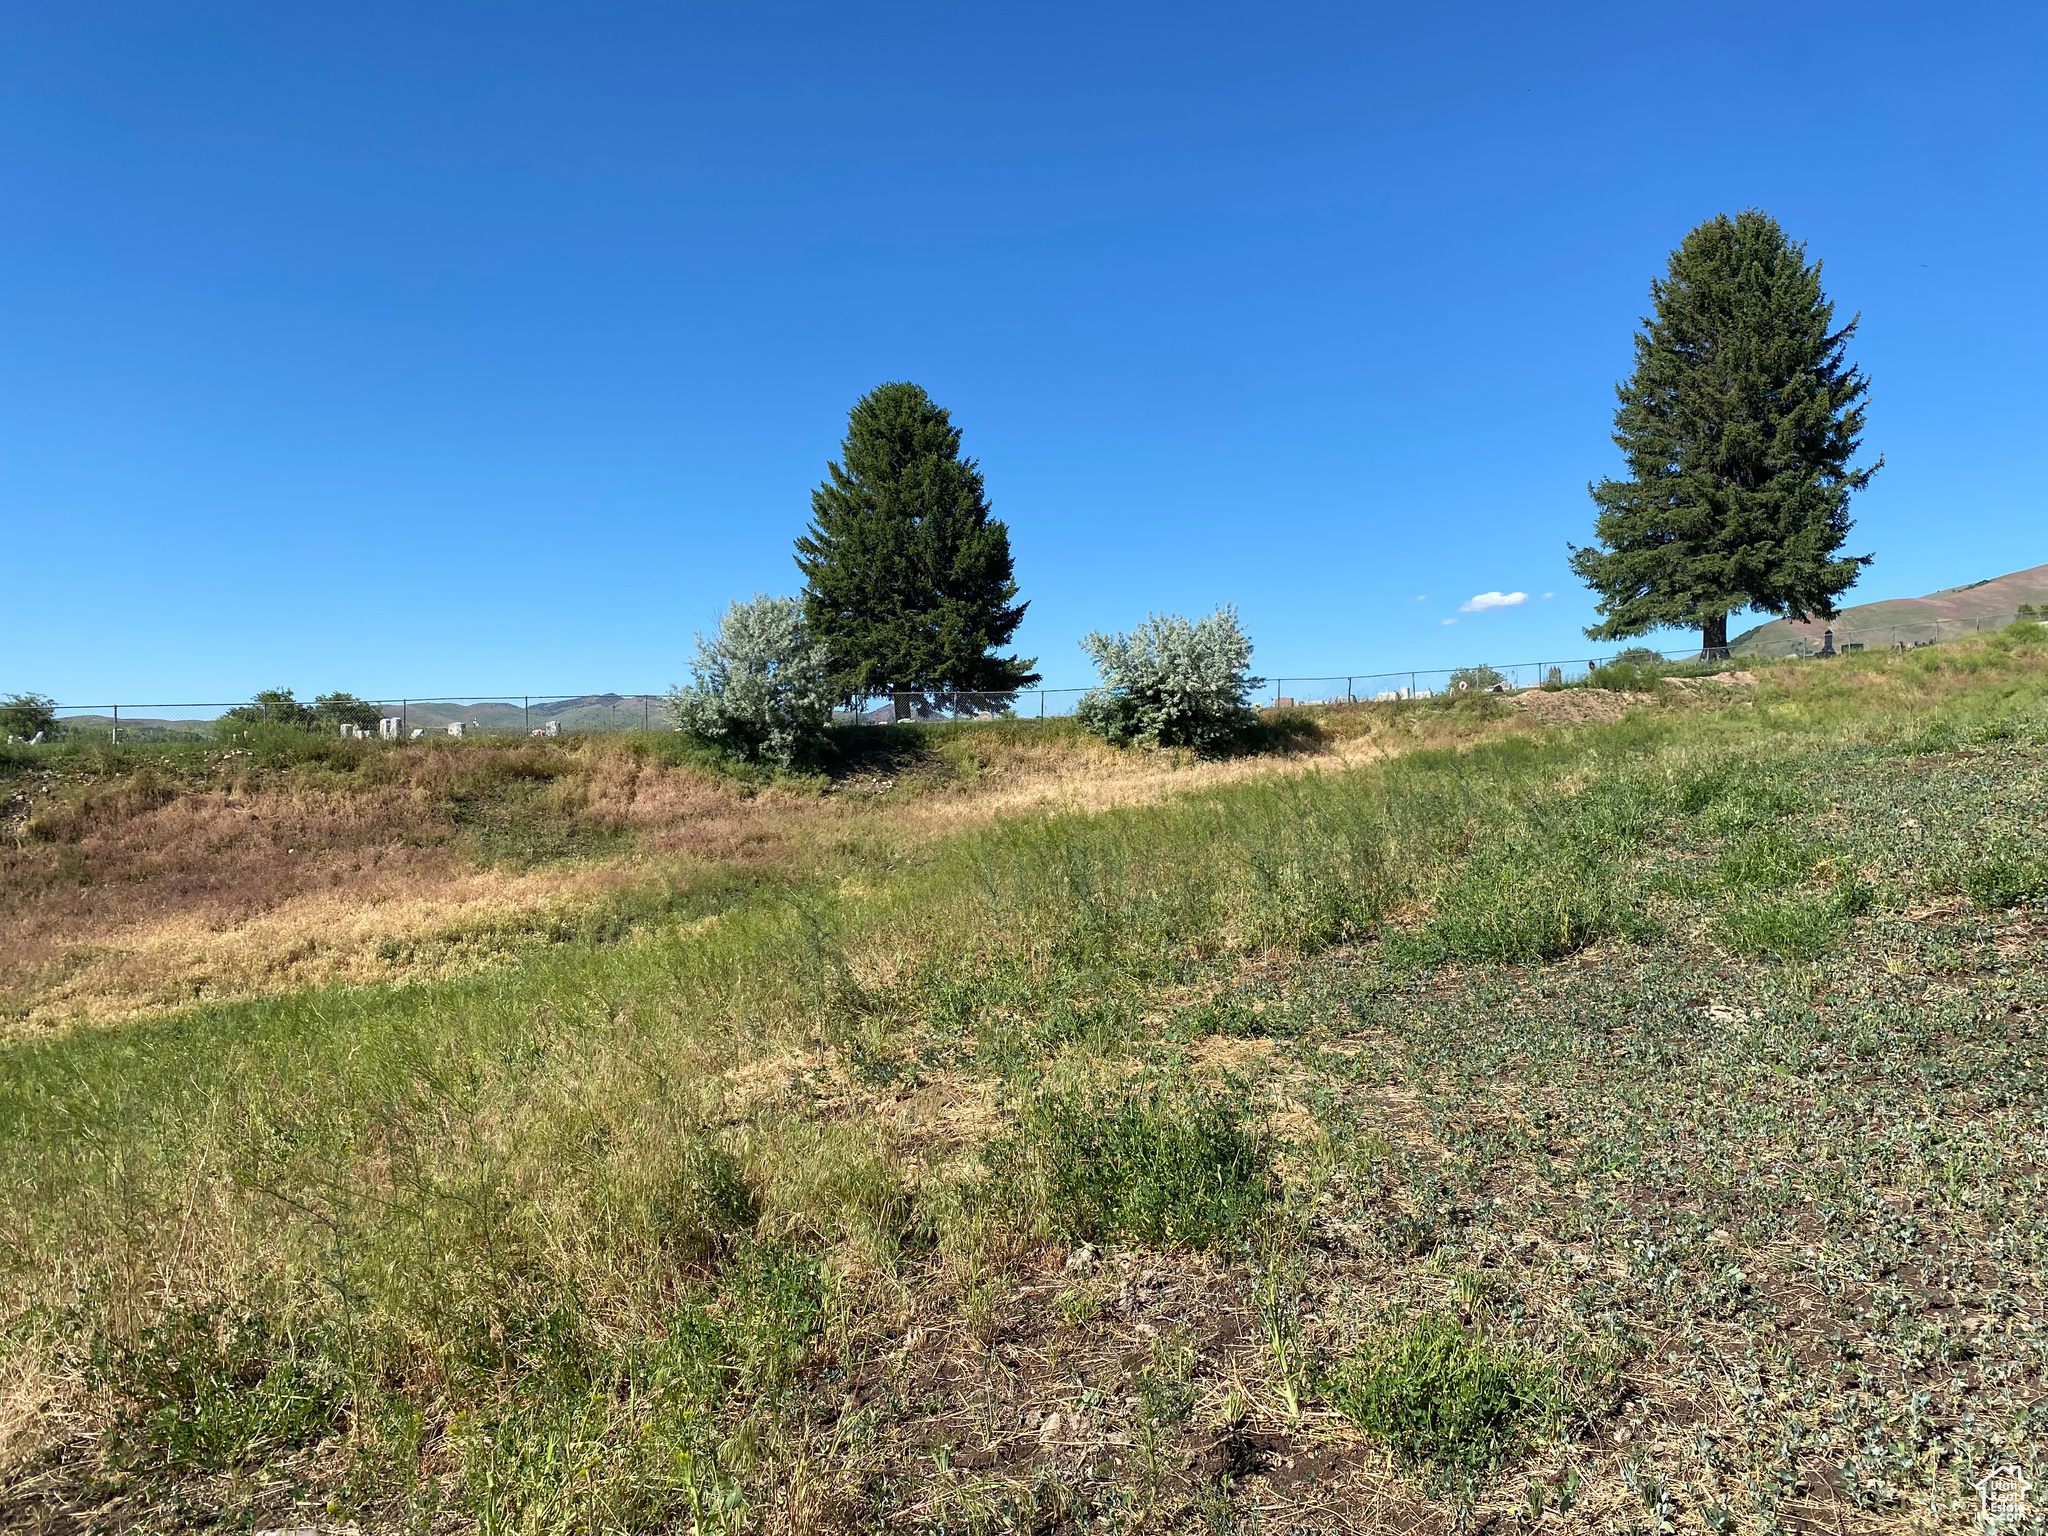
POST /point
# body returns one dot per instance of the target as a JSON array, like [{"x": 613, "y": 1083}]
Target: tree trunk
[{"x": 1714, "y": 638}]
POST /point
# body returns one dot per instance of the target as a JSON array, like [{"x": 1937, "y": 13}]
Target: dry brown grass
[{"x": 124, "y": 897}]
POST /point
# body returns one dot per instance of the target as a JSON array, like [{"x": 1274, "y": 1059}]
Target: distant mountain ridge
[
  {"x": 1945, "y": 615},
  {"x": 497, "y": 717},
  {"x": 584, "y": 712}
]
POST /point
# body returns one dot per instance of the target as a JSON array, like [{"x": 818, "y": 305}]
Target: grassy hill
[
  {"x": 1945, "y": 615},
  {"x": 169, "y": 870},
  {"x": 1627, "y": 1126}
]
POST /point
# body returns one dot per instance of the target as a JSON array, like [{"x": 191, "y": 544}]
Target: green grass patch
[
  {"x": 213, "y": 1388},
  {"x": 1796, "y": 927},
  {"x": 1768, "y": 859},
  {"x": 1996, "y": 883},
  {"x": 1452, "y": 1408},
  {"x": 1153, "y": 1162},
  {"x": 1511, "y": 908},
  {"x": 642, "y": 1231}
]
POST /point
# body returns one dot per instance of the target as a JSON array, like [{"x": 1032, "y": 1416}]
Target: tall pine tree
[
  {"x": 907, "y": 578},
  {"x": 1738, "y": 424}
]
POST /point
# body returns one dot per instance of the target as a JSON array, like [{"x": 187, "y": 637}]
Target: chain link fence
[
  {"x": 410, "y": 719},
  {"x": 404, "y": 719}
]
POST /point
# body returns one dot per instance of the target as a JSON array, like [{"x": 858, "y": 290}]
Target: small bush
[
  {"x": 1152, "y": 1162},
  {"x": 1479, "y": 679},
  {"x": 1172, "y": 683},
  {"x": 1995, "y": 884},
  {"x": 337, "y": 709},
  {"x": 287, "y": 744},
  {"x": 1451, "y": 1408},
  {"x": 27, "y": 714},
  {"x": 1620, "y": 676},
  {"x": 762, "y": 689},
  {"x": 272, "y": 706}
]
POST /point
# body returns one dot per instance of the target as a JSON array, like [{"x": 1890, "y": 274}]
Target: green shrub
[
  {"x": 27, "y": 714},
  {"x": 274, "y": 744},
  {"x": 1996, "y": 883},
  {"x": 1152, "y": 1162},
  {"x": 335, "y": 709},
  {"x": 272, "y": 706},
  {"x": 1479, "y": 679},
  {"x": 1625, "y": 677},
  {"x": 1451, "y": 1408},
  {"x": 762, "y": 688},
  {"x": 1172, "y": 683}
]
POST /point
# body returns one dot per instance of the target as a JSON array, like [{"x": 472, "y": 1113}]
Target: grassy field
[
  {"x": 159, "y": 874},
  {"x": 1632, "y": 1126}
]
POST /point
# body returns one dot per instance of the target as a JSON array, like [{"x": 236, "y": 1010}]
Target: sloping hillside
[
  {"x": 1944, "y": 615},
  {"x": 1613, "y": 1128},
  {"x": 161, "y": 873}
]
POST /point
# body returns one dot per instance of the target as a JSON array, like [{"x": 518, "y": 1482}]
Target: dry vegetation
[
  {"x": 1630, "y": 1126},
  {"x": 140, "y": 880}
]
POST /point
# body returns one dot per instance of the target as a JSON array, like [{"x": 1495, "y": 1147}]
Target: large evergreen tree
[
  {"x": 907, "y": 578},
  {"x": 1738, "y": 423}
]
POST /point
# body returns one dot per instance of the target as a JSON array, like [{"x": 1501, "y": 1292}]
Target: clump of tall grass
[
  {"x": 1450, "y": 1407},
  {"x": 210, "y": 1388},
  {"x": 1791, "y": 927},
  {"x": 1509, "y": 907},
  {"x": 2000, "y": 881},
  {"x": 1154, "y": 1161}
]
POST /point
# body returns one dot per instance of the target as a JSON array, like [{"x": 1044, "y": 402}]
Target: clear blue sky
[{"x": 493, "y": 347}]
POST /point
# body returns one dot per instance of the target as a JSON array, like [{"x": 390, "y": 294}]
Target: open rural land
[
  {"x": 1603, "y": 1108},
  {"x": 963, "y": 770}
]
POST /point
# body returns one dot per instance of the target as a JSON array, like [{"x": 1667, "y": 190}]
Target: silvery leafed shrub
[
  {"x": 762, "y": 687},
  {"x": 1172, "y": 682}
]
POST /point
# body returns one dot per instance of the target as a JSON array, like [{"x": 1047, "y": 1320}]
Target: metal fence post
[
  {"x": 117, "y": 725},
  {"x": 526, "y": 713}
]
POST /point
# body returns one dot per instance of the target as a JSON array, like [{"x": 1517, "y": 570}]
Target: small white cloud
[
  {"x": 1486, "y": 600},
  {"x": 1548, "y": 596},
  {"x": 1450, "y": 621},
  {"x": 1419, "y": 598}
]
